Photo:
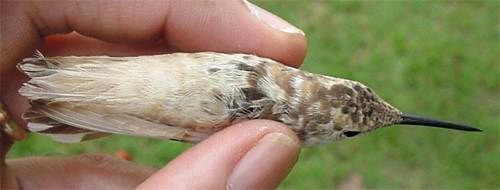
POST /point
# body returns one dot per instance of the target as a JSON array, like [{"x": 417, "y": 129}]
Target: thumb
[{"x": 251, "y": 155}]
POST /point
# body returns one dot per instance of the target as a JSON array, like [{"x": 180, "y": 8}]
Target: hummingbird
[{"x": 189, "y": 96}]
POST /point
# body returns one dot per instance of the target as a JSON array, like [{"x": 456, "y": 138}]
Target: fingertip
[
  {"x": 232, "y": 153},
  {"x": 294, "y": 47},
  {"x": 267, "y": 163},
  {"x": 232, "y": 27},
  {"x": 294, "y": 52}
]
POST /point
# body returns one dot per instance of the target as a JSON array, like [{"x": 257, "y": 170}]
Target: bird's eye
[{"x": 351, "y": 133}]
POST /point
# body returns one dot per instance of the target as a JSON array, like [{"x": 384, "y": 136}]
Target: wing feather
[{"x": 95, "y": 118}]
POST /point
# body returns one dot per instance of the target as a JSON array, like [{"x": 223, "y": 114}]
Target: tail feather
[
  {"x": 43, "y": 89},
  {"x": 80, "y": 98},
  {"x": 40, "y": 123}
]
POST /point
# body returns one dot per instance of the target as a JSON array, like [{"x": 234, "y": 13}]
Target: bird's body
[{"x": 189, "y": 96}]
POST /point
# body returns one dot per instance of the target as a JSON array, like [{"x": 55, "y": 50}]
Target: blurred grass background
[{"x": 438, "y": 59}]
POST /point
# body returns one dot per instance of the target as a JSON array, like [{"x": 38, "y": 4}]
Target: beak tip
[{"x": 477, "y": 130}]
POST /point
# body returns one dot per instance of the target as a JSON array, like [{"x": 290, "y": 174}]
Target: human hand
[{"x": 237, "y": 156}]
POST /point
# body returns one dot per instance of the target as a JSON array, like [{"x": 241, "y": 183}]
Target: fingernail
[
  {"x": 266, "y": 164},
  {"x": 272, "y": 20}
]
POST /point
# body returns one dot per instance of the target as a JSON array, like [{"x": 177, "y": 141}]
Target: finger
[
  {"x": 91, "y": 171},
  {"x": 251, "y": 155},
  {"x": 224, "y": 26},
  {"x": 10, "y": 82}
]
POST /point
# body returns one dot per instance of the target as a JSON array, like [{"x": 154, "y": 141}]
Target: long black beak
[{"x": 422, "y": 121}]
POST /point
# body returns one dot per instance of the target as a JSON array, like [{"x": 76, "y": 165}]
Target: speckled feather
[{"x": 189, "y": 96}]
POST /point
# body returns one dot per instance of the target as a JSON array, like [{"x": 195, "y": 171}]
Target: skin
[{"x": 117, "y": 28}]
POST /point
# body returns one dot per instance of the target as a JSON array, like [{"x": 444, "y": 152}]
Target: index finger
[{"x": 222, "y": 26}]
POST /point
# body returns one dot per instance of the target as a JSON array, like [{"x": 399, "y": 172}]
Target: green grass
[{"x": 438, "y": 59}]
